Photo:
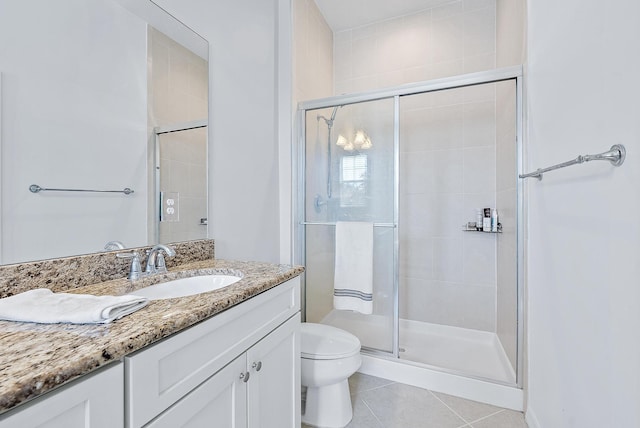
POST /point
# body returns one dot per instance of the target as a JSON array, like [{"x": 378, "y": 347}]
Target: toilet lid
[{"x": 323, "y": 342}]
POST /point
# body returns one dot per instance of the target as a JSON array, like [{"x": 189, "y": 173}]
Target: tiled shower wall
[
  {"x": 448, "y": 40},
  {"x": 313, "y": 78},
  {"x": 447, "y": 170},
  {"x": 313, "y": 53},
  {"x": 448, "y": 153}
]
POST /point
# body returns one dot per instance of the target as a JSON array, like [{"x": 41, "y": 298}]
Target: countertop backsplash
[{"x": 77, "y": 271}]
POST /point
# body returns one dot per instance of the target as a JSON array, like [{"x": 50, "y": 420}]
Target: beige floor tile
[
  {"x": 378, "y": 403},
  {"x": 403, "y": 406},
  {"x": 362, "y": 415},
  {"x": 504, "y": 419},
  {"x": 469, "y": 410},
  {"x": 361, "y": 382}
]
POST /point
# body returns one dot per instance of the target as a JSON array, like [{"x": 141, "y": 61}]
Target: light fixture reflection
[{"x": 361, "y": 142}]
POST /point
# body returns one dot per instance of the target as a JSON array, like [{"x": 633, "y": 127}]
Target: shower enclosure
[{"x": 417, "y": 161}]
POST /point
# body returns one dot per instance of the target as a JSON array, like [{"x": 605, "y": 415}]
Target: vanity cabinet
[
  {"x": 257, "y": 389},
  {"x": 239, "y": 368},
  {"x": 93, "y": 401}
]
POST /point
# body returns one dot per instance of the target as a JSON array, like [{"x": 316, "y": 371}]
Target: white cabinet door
[
  {"x": 274, "y": 384},
  {"x": 165, "y": 372},
  {"x": 94, "y": 401},
  {"x": 219, "y": 402}
]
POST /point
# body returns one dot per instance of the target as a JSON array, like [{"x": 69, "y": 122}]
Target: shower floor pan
[{"x": 465, "y": 351}]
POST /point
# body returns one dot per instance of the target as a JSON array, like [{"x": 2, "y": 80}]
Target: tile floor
[{"x": 379, "y": 403}]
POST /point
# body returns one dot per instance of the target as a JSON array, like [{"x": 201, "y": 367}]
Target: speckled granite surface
[
  {"x": 70, "y": 272},
  {"x": 34, "y": 358}
]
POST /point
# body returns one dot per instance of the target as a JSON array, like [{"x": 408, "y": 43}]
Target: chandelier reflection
[{"x": 360, "y": 142}]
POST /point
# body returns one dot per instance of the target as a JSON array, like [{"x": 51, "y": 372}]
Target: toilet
[{"x": 329, "y": 357}]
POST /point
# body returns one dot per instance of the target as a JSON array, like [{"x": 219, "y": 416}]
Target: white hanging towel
[
  {"x": 353, "y": 279},
  {"x": 46, "y": 307}
]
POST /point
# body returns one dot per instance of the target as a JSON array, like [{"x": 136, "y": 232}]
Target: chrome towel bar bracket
[
  {"x": 616, "y": 155},
  {"x": 34, "y": 188}
]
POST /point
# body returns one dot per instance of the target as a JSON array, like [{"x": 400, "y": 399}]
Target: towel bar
[
  {"x": 34, "y": 188},
  {"x": 320, "y": 223},
  {"x": 616, "y": 155}
]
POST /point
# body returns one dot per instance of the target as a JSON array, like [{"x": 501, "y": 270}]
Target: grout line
[
  {"x": 449, "y": 407},
  {"x": 487, "y": 417},
  {"x": 372, "y": 389},
  {"x": 372, "y": 412}
]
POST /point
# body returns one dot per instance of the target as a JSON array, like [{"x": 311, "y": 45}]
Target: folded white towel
[
  {"x": 353, "y": 278},
  {"x": 46, "y": 307}
]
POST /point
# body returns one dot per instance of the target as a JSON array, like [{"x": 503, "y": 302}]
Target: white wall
[
  {"x": 244, "y": 197},
  {"x": 74, "y": 116},
  {"x": 584, "y": 233}
]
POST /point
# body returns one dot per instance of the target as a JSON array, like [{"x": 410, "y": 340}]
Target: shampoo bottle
[
  {"x": 494, "y": 220},
  {"x": 486, "y": 220}
]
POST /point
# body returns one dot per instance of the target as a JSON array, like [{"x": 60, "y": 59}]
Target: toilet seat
[{"x": 324, "y": 342}]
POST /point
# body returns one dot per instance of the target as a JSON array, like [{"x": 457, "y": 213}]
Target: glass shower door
[
  {"x": 458, "y": 282},
  {"x": 349, "y": 158}
]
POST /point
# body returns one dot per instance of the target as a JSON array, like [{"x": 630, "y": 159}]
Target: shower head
[
  {"x": 333, "y": 113},
  {"x": 329, "y": 122}
]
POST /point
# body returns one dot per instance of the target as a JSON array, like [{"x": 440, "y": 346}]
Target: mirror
[{"x": 89, "y": 88}]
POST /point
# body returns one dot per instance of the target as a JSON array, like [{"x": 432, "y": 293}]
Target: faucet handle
[
  {"x": 135, "y": 271},
  {"x": 161, "y": 266}
]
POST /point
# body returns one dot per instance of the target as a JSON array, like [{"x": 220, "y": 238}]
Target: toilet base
[{"x": 328, "y": 406}]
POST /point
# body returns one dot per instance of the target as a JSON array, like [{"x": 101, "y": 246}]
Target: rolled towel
[{"x": 46, "y": 307}]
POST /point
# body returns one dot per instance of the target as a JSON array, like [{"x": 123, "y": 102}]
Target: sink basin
[{"x": 186, "y": 286}]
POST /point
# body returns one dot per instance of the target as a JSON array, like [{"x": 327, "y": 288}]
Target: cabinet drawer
[
  {"x": 94, "y": 400},
  {"x": 161, "y": 374}
]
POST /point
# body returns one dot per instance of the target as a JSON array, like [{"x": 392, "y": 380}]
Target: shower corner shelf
[{"x": 465, "y": 228}]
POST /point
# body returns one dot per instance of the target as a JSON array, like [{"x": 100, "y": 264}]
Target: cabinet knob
[
  {"x": 244, "y": 376},
  {"x": 257, "y": 366}
]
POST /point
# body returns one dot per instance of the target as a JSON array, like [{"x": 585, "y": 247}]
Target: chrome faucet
[
  {"x": 113, "y": 245},
  {"x": 155, "y": 259}
]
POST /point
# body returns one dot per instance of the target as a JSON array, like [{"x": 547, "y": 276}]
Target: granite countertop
[{"x": 35, "y": 358}]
